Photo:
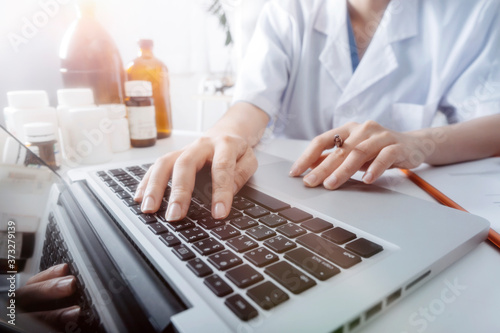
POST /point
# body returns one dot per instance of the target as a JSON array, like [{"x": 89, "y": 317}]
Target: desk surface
[{"x": 473, "y": 280}]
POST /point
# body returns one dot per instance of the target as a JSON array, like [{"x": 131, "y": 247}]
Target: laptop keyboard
[{"x": 295, "y": 249}]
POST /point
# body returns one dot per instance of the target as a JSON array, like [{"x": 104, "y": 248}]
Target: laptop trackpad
[{"x": 275, "y": 177}]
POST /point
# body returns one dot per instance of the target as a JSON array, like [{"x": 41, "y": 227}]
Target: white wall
[{"x": 187, "y": 39}]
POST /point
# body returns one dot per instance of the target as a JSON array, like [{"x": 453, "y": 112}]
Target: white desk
[{"x": 476, "y": 307}]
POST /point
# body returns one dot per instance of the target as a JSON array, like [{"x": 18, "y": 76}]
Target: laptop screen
[
  {"x": 29, "y": 218},
  {"x": 25, "y": 182}
]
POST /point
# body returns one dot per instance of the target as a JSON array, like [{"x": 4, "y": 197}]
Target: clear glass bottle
[
  {"x": 148, "y": 68},
  {"x": 90, "y": 58},
  {"x": 141, "y": 113}
]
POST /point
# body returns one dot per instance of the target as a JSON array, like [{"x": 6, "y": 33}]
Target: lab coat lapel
[
  {"x": 400, "y": 22},
  {"x": 335, "y": 57}
]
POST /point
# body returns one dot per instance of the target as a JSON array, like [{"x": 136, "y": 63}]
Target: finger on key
[
  {"x": 157, "y": 182},
  {"x": 139, "y": 192},
  {"x": 223, "y": 166},
  {"x": 183, "y": 180}
]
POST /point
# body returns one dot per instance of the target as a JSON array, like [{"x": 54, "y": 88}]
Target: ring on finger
[{"x": 337, "y": 141}]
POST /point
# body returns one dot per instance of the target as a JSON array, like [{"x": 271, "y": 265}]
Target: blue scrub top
[{"x": 352, "y": 44}]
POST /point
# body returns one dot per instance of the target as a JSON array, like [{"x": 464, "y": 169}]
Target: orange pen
[{"x": 493, "y": 236}]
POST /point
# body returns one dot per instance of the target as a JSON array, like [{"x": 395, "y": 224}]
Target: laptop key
[
  {"x": 183, "y": 253},
  {"x": 242, "y": 244},
  {"x": 262, "y": 199},
  {"x": 123, "y": 195},
  {"x": 312, "y": 263},
  {"x": 291, "y": 230},
  {"x": 241, "y": 307},
  {"x": 224, "y": 260},
  {"x": 261, "y": 257},
  {"x": 338, "y": 235},
  {"x": 233, "y": 213},
  {"x": 225, "y": 232},
  {"x": 208, "y": 246},
  {"x": 260, "y": 232},
  {"x": 218, "y": 286},
  {"x": 169, "y": 240},
  {"x": 180, "y": 225},
  {"x": 273, "y": 220},
  {"x": 193, "y": 234},
  {"x": 244, "y": 276},
  {"x": 267, "y": 295},
  {"x": 290, "y": 277},
  {"x": 241, "y": 203},
  {"x": 117, "y": 172},
  {"x": 158, "y": 228},
  {"x": 210, "y": 223},
  {"x": 136, "y": 209},
  {"x": 295, "y": 215},
  {"x": 130, "y": 202},
  {"x": 243, "y": 222},
  {"x": 330, "y": 251},
  {"x": 256, "y": 211},
  {"x": 147, "y": 218},
  {"x": 364, "y": 247},
  {"x": 280, "y": 244},
  {"x": 316, "y": 225},
  {"x": 199, "y": 267}
]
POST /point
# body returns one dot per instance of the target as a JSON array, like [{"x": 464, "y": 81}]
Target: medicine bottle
[
  {"x": 89, "y": 57},
  {"x": 149, "y": 68},
  {"x": 141, "y": 113},
  {"x": 91, "y": 135},
  {"x": 41, "y": 140},
  {"x": 69, "y": 99},
  {"x": 120, "y": 134},
  {"x": 27, "y": 106},
  {"x": 16, "y": 154}
]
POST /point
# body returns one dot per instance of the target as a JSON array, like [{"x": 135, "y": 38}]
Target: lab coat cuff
[{"x": 259, "y": 101}]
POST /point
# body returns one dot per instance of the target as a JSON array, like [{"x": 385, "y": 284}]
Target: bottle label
[{"x": 142, "y": 122}]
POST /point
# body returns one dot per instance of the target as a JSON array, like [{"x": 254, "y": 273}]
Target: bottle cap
[
  {"x": 39, "y": 132},
  {"x": 28, "y": 99},
  {"x": 75, "y": 97},
  {"x": 138, "y": 89},
  {"x": 115, "y": 111},
  {"x": 145, "y": 43}
]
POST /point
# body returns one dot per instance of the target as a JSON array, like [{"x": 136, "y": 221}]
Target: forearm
[
  {"x": 473, "y": 139},
  {"x": 244, "y": 120}
]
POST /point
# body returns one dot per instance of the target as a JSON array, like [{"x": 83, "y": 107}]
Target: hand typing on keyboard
[
  {"x": 227, "y": 147},
  {"x": 44, "y": 290}
]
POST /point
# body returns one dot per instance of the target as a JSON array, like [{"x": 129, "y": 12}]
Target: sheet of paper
[{"x": 473, "y": 185}]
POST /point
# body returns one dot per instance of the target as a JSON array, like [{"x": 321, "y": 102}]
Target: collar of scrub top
[
  {"x": 399, "y": 23},
  {"x": 352, "y": 44}
]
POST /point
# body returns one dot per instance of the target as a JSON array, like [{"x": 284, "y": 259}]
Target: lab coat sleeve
[
  {"x": 476, "y": 92},
  {"x": 266, "y": 67}
]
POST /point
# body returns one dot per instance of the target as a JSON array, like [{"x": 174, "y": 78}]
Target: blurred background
[{"x": 187, "y": 37}]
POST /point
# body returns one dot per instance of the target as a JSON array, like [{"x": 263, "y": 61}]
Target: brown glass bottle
[
  {"x": 147, "y": 67},
  {"x": 90, "y": 58},
  {"x": 141, "y": 113}
]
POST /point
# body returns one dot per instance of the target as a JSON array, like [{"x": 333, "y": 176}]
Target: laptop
[{"x": 287, "y": 259}]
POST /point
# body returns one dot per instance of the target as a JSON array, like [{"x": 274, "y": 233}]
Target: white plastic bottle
[
  {"x": 69, "y": 99},
  {"x": 90, "y": 134},
  {"x": 120, "y": 135},
  {"x": 28, "y": 106}
]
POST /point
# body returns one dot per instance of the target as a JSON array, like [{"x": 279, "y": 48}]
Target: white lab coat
[{"x": 425, "y": 55}]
